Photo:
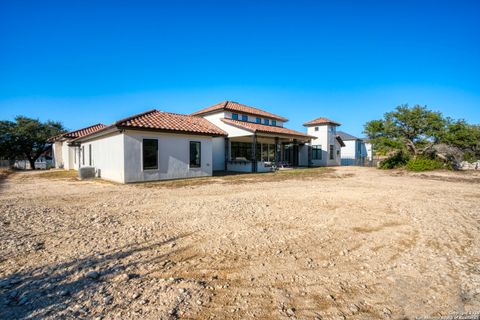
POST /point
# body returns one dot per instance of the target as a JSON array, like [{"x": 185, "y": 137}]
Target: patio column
[
  {"x": 254, "y": 153},
  {"x": 227, "y": 152},
  {"x": 295, "y": 153},
  {"x": 277, "y": 154}
]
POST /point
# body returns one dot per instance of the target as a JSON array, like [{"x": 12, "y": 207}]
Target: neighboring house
[
  {"x": 149, "y": 146},
  {"x": 356, "y": 151},
  {"x": 327, "y": 144},
  {"x": 66, "y": 156},
  {"x": 42, "y": 162},
  {"x": 256, "y": 139}
]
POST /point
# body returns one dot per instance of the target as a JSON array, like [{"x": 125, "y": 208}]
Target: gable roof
[
  {"x": 237, "y": 107},
  {"x": 78, "y": 133},
  {"x": 167, "y": 121},
  {"x": 320, "y": 121},
  {"x": 256, "y": 127},
  {"x": 155, "y": 120},
  {"x": 346, "y": 136}
]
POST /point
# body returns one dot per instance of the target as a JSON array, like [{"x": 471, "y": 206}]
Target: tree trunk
[{"x": 32, "y": 163}]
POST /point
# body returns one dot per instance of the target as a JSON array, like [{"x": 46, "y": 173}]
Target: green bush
[
  {"x": 424, "y": 164},
  {"x": 398, "y": 160}
]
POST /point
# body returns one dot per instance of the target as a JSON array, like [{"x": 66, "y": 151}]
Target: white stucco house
[
  {"x": 326, "y": 144},
  {"x": 227, "y": 136},
  {"x": 149, "y": 146},
  {"x": 65, "y": 155},
  {"x": 255, "y": 141},
  {"x": 356, "y": 151}
]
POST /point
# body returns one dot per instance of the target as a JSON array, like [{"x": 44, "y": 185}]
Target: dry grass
[
  {"x": 245, "y": 178},
  {"x": 59, "y": 175}
]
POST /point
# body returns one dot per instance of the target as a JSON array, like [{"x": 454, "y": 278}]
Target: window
[
  {"x": 274, "y": 122},
  {"x": 271, "y": 152},
  {"x": 316, "y": 128},
  {"x": 195, "y": 154},
  {"x": 150, "y": 154},
  {"x": 241, "y": 150},
  {"x": 332, "y": 154},
  {"x": 266, "y": 122},
  {"x": 258, "y": 120},
  {"x": 244, "y": 117},
  {"x": 317, "y": 152},
  {"x": 89, "y": 154},
  {"x": 235, "y": 116},
  {"x": 83, "y": 155}
]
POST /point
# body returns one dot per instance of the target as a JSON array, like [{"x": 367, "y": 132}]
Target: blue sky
[{"x": 82, "y": 62}]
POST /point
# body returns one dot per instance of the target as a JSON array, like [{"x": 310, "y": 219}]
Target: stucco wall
[
  {"x": 325, "y": 138},
  {"x": 107, "y": 156},
  {"x": 218, "y": 157},
  {"x": 231, "y": 130},
  {"x": 174, "y": 156}
]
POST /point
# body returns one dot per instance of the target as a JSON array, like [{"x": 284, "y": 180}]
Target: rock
[
  {"x": 199, "y": 302},
  {"x": 291, "y": 311},
  {"x": 135, "y": 295},
  {"x": 92, "y": 275},
  {"x": 354, "y": 308},
  {"x": 107, "y": 300},
  {"x": 64, "y": 293}
]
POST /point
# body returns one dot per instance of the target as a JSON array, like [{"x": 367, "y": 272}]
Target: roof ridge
[
  {"x": 84, "y": 128},
  {"x": 135, "y": 116}
]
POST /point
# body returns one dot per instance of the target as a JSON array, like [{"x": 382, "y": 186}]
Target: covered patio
[{"x": 266, "y": 149}]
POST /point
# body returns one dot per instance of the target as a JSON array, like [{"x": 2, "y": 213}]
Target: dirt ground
[{"x": 343, "y": 243}]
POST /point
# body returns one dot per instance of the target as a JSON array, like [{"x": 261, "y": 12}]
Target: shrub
[
  {"x": 398, "y": 160},
  {"x": 424, "y": 164}
]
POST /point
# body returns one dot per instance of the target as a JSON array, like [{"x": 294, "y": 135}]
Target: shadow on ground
[{"x": 43, "y": 291}]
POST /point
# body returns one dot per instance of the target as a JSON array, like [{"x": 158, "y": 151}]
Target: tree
[
  {"x": 415, "y": 130},
  {"x": 26, "y": 138},
  {"x": 460, "y": 134}
]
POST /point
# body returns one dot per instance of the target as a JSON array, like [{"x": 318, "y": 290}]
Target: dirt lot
[{"x": 345, "y": 243}]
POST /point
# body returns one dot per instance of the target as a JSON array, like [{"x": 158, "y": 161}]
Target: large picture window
[
  {"x": 241, "y": 150},
  {"x": 316, "y": 152},
  {"x": 150, "y": 154},
  {"x": 195, "y": 154}
]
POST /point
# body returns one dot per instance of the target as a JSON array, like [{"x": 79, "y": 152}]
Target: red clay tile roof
[
  {"x": 238, "y": 107},
  {"x": 78, "y": 133},
  {"x": 256, "y": 127},
  {"x": 319, "y": 121},
  {"x": 167, "y": 121}
]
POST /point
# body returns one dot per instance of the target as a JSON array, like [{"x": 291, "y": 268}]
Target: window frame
[
  {"x": 331, "y": 152},
  {"x": 274, "y": 123},
  {"x": 244, "y": 117},
  {"x": 316, "y": 129},
  {"x": 234, "y": 116},
  {"x": 156, "y": 155},
  {"x": 258, "y": 120},
  {"x": 266, "y": 121},
  {"x": 90, "y": 162},
  {"x": 199, "y": 165},
  {"x": 317, "y": 150}
]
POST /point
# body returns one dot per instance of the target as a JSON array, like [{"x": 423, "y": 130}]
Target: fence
[{"x": 362, "y": 162}]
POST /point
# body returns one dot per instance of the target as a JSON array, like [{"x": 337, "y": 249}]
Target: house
[
  {"x": 65, "y": 155},
  {"x": 228, "y": 136},
  {"x": 355, "y": 151},
  {"x": 326, "y": 144},
  {"x": 152, "y": 145},
  {"x": 255, "y": 139}
]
